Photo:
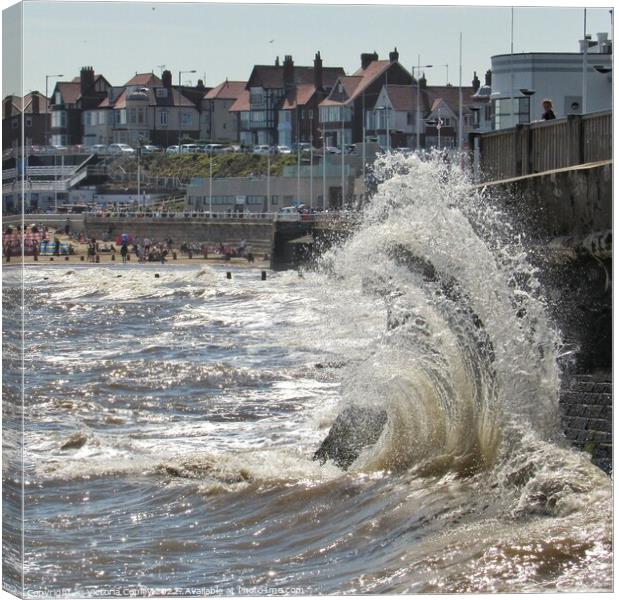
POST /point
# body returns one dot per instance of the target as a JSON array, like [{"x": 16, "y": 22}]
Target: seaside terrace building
[
  {"x": 282, "y": 102},
  {"x": 343, "y": 111},
  {"x": 146, "y": 109},
  {"x": 68, "y": 102}
]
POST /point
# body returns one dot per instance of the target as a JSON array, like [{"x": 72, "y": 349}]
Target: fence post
[
  {"x": 518, "y": 150},
  {"x": 575, "y": 140}
]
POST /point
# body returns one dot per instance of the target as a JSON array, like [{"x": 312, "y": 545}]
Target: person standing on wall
[{"x": 548, "y": 113}]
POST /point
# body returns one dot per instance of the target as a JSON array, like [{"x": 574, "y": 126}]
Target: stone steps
[{"x": 586, "y": 416}]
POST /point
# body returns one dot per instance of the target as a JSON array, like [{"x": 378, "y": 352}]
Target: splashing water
[{"x": 469, "y": 352}]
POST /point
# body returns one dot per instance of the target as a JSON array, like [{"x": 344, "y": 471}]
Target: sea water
[{"x": 170, "y": 422}]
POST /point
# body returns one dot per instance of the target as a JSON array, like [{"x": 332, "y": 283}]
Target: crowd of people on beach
[
  {"x": 40, "y": 239},
  {"x": 31, "y": 239}
]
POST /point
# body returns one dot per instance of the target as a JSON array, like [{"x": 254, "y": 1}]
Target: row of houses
[
  {"x": 279, "y": 104},
  {"x": 285, "y": 103}
]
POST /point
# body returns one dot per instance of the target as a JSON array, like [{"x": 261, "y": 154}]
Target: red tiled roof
[
  {"x": 241, "y": 104},
  {"x": 145, "y": 79},
  {"x": 300, "y": 96},
  {"x": 270, "y": 76},
  {"x": 18, "y": 103},
  {"x": 450, "y": 95},
  {"x": 404, "y": 97},
  {"x": 350, "y": 83},
  {"x": 70, "y": 90},
  {"x": 176, "y": 99},
  {"x": 228, "y": 90},
  {"x": 363, "y": 79}
]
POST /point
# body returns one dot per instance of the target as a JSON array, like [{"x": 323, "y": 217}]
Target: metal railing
[{"x": 193, "y": 215}]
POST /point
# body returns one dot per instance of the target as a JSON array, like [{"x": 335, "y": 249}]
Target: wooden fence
[{"x": 544, "y": 146}]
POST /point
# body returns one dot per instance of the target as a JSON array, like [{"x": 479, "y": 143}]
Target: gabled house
[
  {"x": 68, "y": 101},
  {"x": 394, "y": 118},
  {"x": 287, "y": 91},
  {"x": 145, "y": 110},
  {"x": 218, "y": 124},
  {"x": 33, "y": 106},
  {"x": 444, "y": 111},
  {"x": 342, "y": 112}
]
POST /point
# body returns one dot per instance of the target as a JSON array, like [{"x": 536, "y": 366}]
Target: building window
[
  {"x": 140, "y": 116},
  {"x": 257, "y": 97},
  {"x": 334, "y": 114},
  {"x": 256, "y": 200},
  {"x": 28, "y": 121},
  {"x": 186, "y": 119},
  {"x": 163, "y": 117},
  {"x": 274, "y": 200},
  {"x": 59, "y": 118}
]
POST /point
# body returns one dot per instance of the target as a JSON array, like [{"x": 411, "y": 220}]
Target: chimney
[
  {"x": 166, "y": 79},
  {"x": 8, "y": 107},
  {"x": 394, "y": 56},
  {"x": 423, "y": 82},
  {"x": 318, "y": 71},
  {"x": 288, "y": 71},
  {"x": 367, "y": 58},
  {"x": 34, "y": 107},
  {"x": 476, "y": 82},
  {"x": 200, "y": 85},
  {"x": 87, "y": 80},
  {"x": 489, "y": 77},
  {"x": 277, "y": 61}
]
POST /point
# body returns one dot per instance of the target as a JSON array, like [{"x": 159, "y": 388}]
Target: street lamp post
[
  {"x": 298, "y": 156},
  {"x": 528, "y": 93},
  {"x": 342, "y": 152},
  {"x": 311, "y": 120},
  {"x": 269, "y": 182},
  {"x": 179, "y": 106},
  {"x": 139, "y": 153},
  {"x": 210, "y": 181},
  {"x": 363, "y": 157},
  {"x": 324, "y": 168},
  {"x": 418, "y": 120},
  {"x": 46, "y": 143}
]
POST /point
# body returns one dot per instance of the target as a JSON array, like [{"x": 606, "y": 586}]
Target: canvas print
[{"x": 306, "y": 300}]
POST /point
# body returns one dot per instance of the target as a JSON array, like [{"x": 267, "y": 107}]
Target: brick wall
[{"x": 586, "y": 416}]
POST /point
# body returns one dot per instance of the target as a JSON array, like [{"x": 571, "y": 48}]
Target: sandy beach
[{"x": 80, "y": 257}]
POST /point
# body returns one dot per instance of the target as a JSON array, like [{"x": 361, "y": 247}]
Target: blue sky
[{"x": 226, "y": 40}]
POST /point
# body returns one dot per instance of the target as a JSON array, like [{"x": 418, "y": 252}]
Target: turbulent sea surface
[{"x": 171, "y": 421}]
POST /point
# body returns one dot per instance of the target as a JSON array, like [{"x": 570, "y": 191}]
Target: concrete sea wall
[{"x": 258, "y": 232}]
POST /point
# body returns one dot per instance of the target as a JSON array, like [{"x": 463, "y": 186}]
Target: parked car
[
  {"x": 56, "y": 148},
  {"x": 120, "y": 149},
  {"x": 172, "y": 150},
  {"x": 302, "y": 146},
  {"x": 284, "y": 150},
  {"x": 213, "y": 148},
  {"x": 262, "y": 149},
  {"x": 98, "y": 149},
  {"x": 231, "y": 149},
  {"x": 191, "y": 149},
  {"x": 150, "y": 149},
  {"x": 333, "y": 150}
]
